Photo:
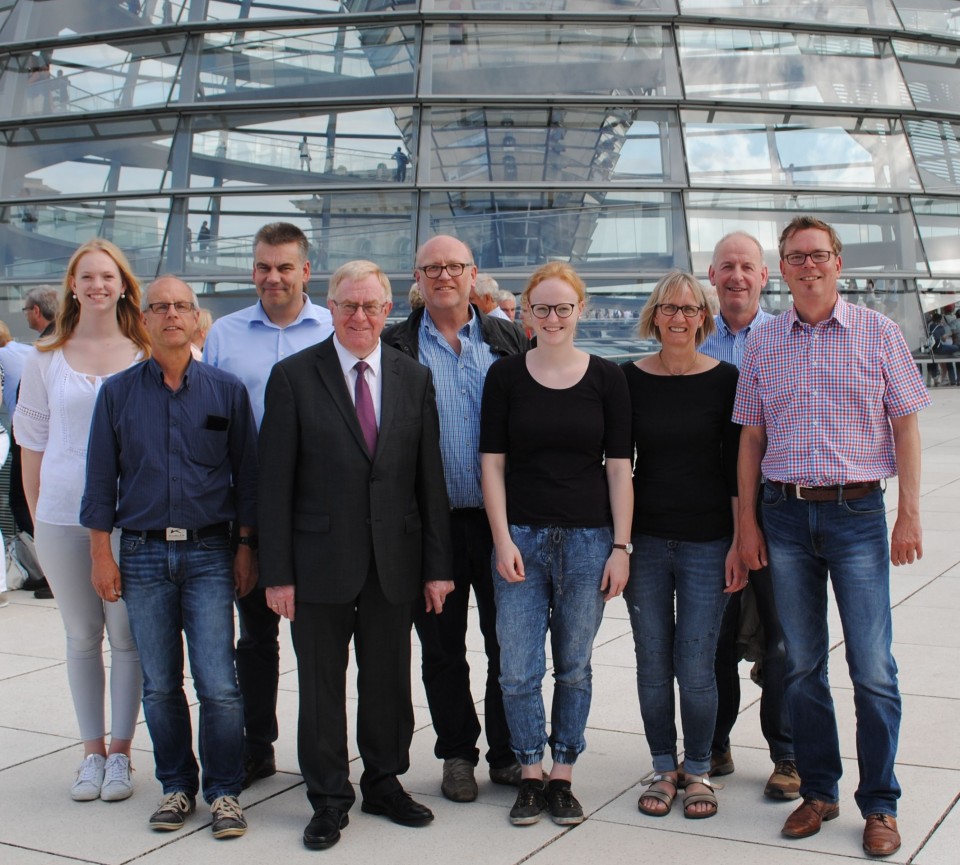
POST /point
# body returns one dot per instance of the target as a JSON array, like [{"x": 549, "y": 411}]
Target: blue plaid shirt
[
  {"x": 724, "y": 344},
  {"x": 459, "y": 384}
]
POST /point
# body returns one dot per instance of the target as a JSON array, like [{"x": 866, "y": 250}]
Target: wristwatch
[
  {"x": 248, "y": 541},
  {"x": 627, "y": 548}
]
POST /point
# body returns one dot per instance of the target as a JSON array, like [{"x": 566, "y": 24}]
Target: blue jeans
[
  {"x": 684, "y": 646},
  {"x": 564, "y": 569},
  {"x": 806, "y": 542},
  {"x": 186, "y": 586}
]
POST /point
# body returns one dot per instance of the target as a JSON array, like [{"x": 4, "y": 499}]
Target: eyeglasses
[
  {"x": 349, "y": 308},
  {"x": 563, "y": 310},
  {"x": 27, "y": 308},
  {"x": 818, "y": 256},
  {"x": 181, "y": 306},
  {"x": 670, "y": 310},
  {"x": 454, "y": 269}
]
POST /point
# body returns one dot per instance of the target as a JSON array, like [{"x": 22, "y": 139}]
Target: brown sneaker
[
  {"x": 880, "y": 835},
  {"x": 806, "y": 820},
  {"x": 784, "y": 783},
  {"x": 722, "y": 764}
]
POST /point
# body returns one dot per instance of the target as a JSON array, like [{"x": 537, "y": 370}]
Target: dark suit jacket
[{"x": 325, "y": 507}]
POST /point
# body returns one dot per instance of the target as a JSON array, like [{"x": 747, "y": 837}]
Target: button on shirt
[
  {"x": 184, "y": 458},
  {"x": 248, "y": 344},
  {"x": 459, "y": 384},
  {"x": 724, "y": 344},
  {"x": 825, "y": 394}
]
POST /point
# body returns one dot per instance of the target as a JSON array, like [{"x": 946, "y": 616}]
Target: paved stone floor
[{"x": 39, "y": 751}]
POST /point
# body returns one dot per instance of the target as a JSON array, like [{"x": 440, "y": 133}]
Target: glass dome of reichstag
[{"x": 626, "y": 136}]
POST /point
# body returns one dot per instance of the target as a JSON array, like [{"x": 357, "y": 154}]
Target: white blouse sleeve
[{"x": 31, "y": 421}]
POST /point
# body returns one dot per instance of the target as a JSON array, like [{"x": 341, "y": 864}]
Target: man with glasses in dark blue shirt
[{"x": 177, "y": 439}]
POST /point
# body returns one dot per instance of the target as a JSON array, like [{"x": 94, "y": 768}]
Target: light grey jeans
[{"x": 64, "y": 554}]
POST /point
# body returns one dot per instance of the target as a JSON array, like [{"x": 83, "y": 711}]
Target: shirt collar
[
  {"x": 309, "y": 311},
  {"x": 349, "y": 360},
  {"x": 154, "y": 369},
  {"x": 724, "y": 330},
  {"x": 840, "y": 314},
  {"x": 470, "y": 328}
]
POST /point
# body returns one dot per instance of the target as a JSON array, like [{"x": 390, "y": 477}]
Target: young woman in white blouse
[{"x": 99, "y": 332}]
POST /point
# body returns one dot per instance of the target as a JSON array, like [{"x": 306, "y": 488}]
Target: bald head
[{"x": 445, "y": 293}]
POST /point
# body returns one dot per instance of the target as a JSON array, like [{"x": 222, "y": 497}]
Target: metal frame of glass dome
[{"x": 626, "y": 136}]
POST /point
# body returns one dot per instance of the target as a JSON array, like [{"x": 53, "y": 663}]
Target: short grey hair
[
  {"x": 46, "y": 298},
  {"x": 486, "y": 286}
]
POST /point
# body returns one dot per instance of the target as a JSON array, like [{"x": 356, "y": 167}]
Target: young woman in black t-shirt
[{"x": 555, "y": 455}]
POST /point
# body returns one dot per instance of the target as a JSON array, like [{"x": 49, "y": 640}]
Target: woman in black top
[
  {"x": 555, "y": 457},
  {"x": 685, "y": 560}
]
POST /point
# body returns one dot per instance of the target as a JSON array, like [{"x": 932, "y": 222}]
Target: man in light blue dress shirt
[
  {"x": 739, "y": 275},
  {"x": 248, "y": 343}
]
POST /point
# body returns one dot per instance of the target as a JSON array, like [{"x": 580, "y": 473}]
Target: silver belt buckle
[
  {"x": 176, "y": 534},
  {"x": 796, "y": 491}
]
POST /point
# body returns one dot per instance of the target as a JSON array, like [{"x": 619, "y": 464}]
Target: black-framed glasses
[
  {"x": 818, "y": 256},
  {"x": 181, "y": 306},
  {"x": 370, "y": 310},
  {"x": 453, "y": 269},
  {"x": 563, "y": 310},
  {"x": 670, "y": 309}
]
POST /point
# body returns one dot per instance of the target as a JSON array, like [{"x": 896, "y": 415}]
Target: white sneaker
[
  {"x": 117, "y": 780},
  {"x": 89, "y": 779}
]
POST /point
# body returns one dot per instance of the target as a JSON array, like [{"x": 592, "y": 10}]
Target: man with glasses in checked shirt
[{"x": 828, "y": 399}]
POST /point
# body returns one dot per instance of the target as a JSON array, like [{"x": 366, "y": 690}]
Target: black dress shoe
[
  {"x": 255, "y": 768},
  {"x": 324, "y": 829},
  {"x": 399, "y": 807}
]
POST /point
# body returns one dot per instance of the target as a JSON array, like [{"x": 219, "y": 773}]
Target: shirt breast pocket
[{"x": 210, "y": 447}]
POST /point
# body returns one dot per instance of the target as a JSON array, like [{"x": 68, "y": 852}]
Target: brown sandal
[
  {"x": 695, "y": 798},
  {"x": 663, "y": 796}
]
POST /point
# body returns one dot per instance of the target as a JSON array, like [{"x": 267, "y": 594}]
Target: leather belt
[
  {"x": 171, "y": 533},
  {"x": 836, "y": 493}
]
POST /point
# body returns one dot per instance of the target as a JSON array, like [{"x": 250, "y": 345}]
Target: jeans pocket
[
  {"x": 773, "y": 496},
  {"x": 129, "y": 544},
  {"x": 214, "y": 543},
  {"x": 869, "y": 505}
]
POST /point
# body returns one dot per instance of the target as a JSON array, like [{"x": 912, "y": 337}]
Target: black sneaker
[
  {"x": 228, "y": 819},
  {"x": 172, "y": 811},
  {"x": 564, "y": 807},
  {"x": 531, "y": 803}
]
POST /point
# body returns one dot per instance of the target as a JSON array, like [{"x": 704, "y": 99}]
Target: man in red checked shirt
[{"x": 828, "y": 398}]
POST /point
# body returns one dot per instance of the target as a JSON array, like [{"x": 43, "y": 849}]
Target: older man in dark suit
[{"x": 354, "y": 529}]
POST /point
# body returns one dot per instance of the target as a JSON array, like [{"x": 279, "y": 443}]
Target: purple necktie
[{"x": 365, "y": 412}]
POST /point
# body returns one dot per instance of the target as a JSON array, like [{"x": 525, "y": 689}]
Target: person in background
[
  {"x": 555, "y": 457},
  {"x": 739, "y": 274},
  {"x": 40, "y": 306},
  {"x": 485, "y": 294},
  {"x": 248, "y": 343},
  {"x": 685, "y": 561},
  {"x": 508, "y": 303},
  {"x": 99, "y": 333},
  {"x": 204, "y": 323},
  {"x": 459, "y": 344}
]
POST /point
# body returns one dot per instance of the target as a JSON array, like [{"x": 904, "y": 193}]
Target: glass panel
[
  {"x": 49, "y": 18},
  {"x": 291, "y": 64},
  {"x": 550, "y": 59},
  {"x": 299, "y": 148},
  {"x": 929, "y": 16},
  {"x": 797, "y": 150},
  {"x": 871, "y": 13},
  {"x": 40, "y": 236},
  {"x": 596, "y": 7},
  {"x": 86, "y": 158},
  {"x": 936, "y": 147},
  {"x": 805, "y": 68},
  {"x": 532, "y": 145},
  {"x": 83, "y": 78},
  {"x": 616, "y": 230},
  {"x": 939, "y": 223},
  {"x": 340, "y": 227},
  {"x": 878, "y": 231},
  {"x": 932, "y": 74}
]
